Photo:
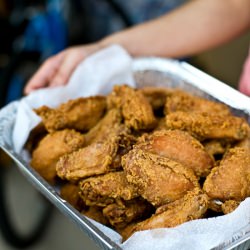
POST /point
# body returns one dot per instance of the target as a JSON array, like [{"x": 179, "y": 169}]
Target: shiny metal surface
[{"x": 147, "y": 72}]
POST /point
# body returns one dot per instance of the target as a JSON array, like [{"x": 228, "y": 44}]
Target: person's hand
[
  {"x": 56, "y": 70},
  {"x": 244, "y": 85}
]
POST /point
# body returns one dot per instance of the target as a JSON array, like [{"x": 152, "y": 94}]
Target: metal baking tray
[{"x": 147, "y": 72}]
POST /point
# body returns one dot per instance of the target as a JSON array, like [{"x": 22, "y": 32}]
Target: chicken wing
[
  {"x": 180, "y": 147},
  {"x": 190, "y": 207},
  {"x": 79, "y": 114},
  {"x": 182, "y": 101},
  {"x": 123, "y": 213},
  {"x": 103, "y": 128},
  {"x": 51, "y": 148},
  {"x": 136, "y": 110},
  {"x": 94, "y": 159},
  {"x": 209, "y": 126},
  {"x": 98, "y": 158},
  {"x": 158, "y": 179},
  {"x": 106, "y": 189},
  {"x": 231, "y": 179}
]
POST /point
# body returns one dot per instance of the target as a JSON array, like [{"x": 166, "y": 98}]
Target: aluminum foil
[{"x": 147, "y": 72}]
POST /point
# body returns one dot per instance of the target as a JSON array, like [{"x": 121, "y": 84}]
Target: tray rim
[
  {"x": 200, "y": 80},
  {"x": 143, "y": 63}
]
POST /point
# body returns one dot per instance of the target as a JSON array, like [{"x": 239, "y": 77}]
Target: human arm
[{"x": 196, "y": 26}]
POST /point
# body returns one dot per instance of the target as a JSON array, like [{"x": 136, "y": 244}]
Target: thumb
[
  {"x": 47, "y": 71},
  {"x": 71, "y": 60}
]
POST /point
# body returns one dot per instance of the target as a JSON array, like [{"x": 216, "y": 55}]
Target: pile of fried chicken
[{"x": 147, "y": 158}]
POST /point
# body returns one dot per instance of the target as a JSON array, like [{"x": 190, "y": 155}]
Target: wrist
[{"x": 105, "y": 42}]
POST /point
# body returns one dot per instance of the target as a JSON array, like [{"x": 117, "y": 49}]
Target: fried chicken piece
[
  {"x": 97, "y": 158},
  {"x": 106, "y": 189},
  {"x": 229, "y": 206},
  {"x": 51, "y": 148},
  {"x": 95, "y": 213},
  {"x": 161, "y": 124},
  {"x": 180, "y": 147},
  {"x": 158, "y": 179},
  {"x": 123, "y": 213},
  {"x": 70, "y": 193},
  {"x": 190, "y": 207},
  {"x": 103, "y": 128},
  {"x": 136, "y": 110},
  {"x": 80, "y": 114},
  {"x": 156, "y": 96},
  {"x": 245, "y": 143},
  {"x": 215, "y": 206},
  {"x": 35, "y": 136},
  {"x": 94, "y": 159},
  {"x": 182, "y": 101},
  {"x": 231, "y": 179},
  {"x": 106, "y": 128},
  {"x": 216, "y": 147},
  {"x": 208, "y": 126},
  {"x": 223, "y": 207}
]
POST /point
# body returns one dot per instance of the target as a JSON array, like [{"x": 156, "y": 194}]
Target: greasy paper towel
[{"x": 97, "y": 75}]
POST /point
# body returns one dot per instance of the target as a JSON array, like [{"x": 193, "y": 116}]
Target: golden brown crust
[
  {"x": 178, "y": 146},
  {"x": 123, "y": 213},
  {"x": 190, "y": 207},
  {"x": 136, "y": 110},
  {"x": 51, "y": 148},
  {"x": 231, "y": 179},
  {"x": 182, "y": 101},
  {"x": 229, "y": 206},
  {"x": 92, "y": 160},
  {"x": 158, "y": 179},
  {"x": 35, "y": 136},
  {"x": 106, "y": 189},
  {"x": 245, "y": 143},
  {"x": 104, "y": 127},
  {"x": 161, "y": 124},
  {"x": 97, "y": 158},
  {"x": 216, "y": 147},
  {"x": 95, "y": 213},
  {"x": 208, "y": 126},
  {"x": 79, "y": 114},
  {"x": 156, "y": 96},
  {"x": 135, "y": 169}
]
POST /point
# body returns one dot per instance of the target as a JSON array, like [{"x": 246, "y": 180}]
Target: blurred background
[{"x": 30, "y": 32}]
